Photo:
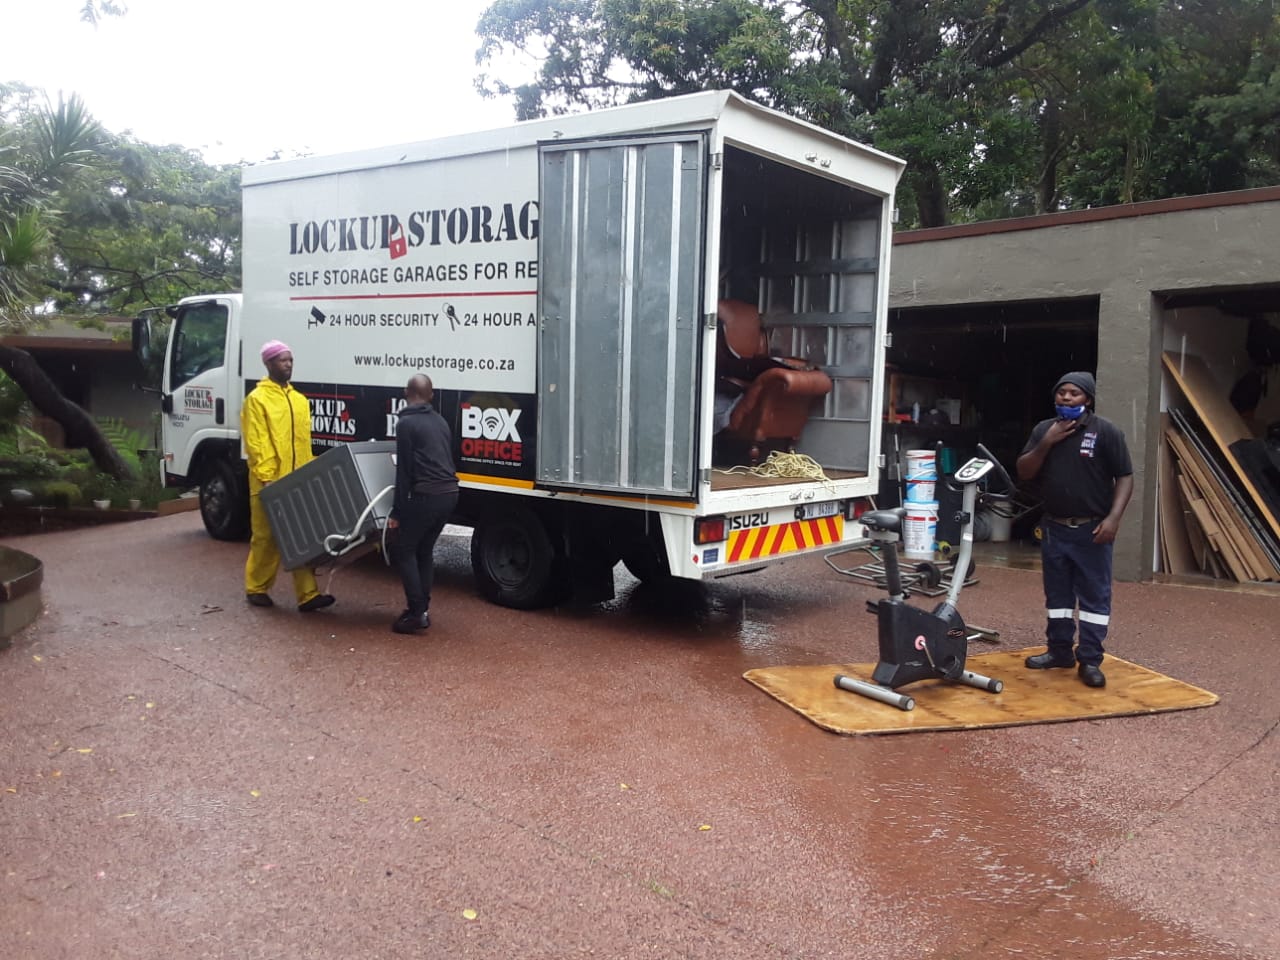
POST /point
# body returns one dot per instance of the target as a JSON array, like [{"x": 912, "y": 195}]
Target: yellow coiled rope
[{"x": 784, "y": 465}]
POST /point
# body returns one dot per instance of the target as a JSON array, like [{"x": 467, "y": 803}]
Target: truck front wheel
[
  {"x": 515, "y": 561},
  {"x": 224, "y": 502}
]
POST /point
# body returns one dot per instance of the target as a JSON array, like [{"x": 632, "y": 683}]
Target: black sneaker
[
  {"x": 259, "y": 600},
  {"x": 318, "y": 602},
  {"x": 406, "y": 623}
]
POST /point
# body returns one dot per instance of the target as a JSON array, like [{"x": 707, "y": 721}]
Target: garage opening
[
  {"x": 1219, "y": 453},
  {"x": 981, "y": 373}
]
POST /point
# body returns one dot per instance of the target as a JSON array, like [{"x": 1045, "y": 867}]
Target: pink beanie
[{"x": 273, "y": 348}]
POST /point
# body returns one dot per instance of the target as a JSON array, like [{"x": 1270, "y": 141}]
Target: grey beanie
[{"x": 1081, "y": 379}]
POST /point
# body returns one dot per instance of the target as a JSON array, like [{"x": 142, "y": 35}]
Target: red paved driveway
[{"x": 184, "y": 776}]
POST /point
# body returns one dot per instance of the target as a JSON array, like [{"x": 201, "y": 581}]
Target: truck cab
[{"x": 201, "y": 388}]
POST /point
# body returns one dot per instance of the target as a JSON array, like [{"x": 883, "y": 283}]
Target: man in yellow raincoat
[{"x": 275, "y": 423}]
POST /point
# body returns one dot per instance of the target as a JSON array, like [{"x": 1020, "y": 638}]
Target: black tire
[
  {"x": 930, "y": 574},
  {"x": 515, "y": 561},
  {"x": 224, "y": 502},
  {"x": 647, "y": 562}
]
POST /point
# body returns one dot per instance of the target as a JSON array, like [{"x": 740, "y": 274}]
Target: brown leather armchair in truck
[{"x": 775, "y": 395}]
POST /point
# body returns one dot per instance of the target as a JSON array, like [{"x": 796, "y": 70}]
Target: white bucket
[
  {"x": 922, "y": 474},
  {"x": 1001, "y": 526},
  {"x": 920, "y": 530}
]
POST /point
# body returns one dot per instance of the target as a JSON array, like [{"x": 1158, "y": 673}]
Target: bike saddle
[{"x": 884, "y": 521}]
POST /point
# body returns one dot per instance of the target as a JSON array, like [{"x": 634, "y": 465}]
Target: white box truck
[{"x": 559, "y": 281}]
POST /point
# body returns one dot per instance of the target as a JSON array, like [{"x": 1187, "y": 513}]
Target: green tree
[
  {"x": 906, "y": 73},
  {"x": 42, "y": 150},
  {"x": 1217, "y": 99},
  {"x": 93, "y": 223},
  {"x": 999, "y": 107},
  {"x": 145, "y": 227}
]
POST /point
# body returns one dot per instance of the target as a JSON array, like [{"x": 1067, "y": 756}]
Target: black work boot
[
  {"x": 1049, "y": 659},
  {"x": 1091, "y": 675},
  {"x": 318, "y": 602}
]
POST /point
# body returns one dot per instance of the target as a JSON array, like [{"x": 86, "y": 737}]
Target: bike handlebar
[{"x": 1010, "y": 486}]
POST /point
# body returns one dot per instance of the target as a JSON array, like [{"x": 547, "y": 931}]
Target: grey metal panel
[
  {"x": 819, "y": 297},
  {"x": 326, "y": 497},
  {"x": 621, "y": 227}
]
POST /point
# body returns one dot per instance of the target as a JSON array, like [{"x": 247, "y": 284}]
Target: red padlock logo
[{"x": 399, "y": 245}]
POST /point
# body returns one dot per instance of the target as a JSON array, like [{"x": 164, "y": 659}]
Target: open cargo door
[{"x": 621, "y": 241}]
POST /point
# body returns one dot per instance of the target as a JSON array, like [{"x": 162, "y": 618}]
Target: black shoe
[
  {"x": 1044, "y": 661},
  {"x": 409, "y": 623},
  {"x": 259, "y": 600},
  {"x": 1091, "y": 676},
  {"x": 318, "y": 602},
  {"x": 425, "y": 621}
]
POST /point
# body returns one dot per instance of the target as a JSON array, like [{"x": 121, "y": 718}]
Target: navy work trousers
[
  {"x": 1076, "y": 571},
  {"x": 421, "y": 519}
]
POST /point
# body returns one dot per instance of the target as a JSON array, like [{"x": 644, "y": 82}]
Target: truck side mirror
[{"x": 141, "y": 339}]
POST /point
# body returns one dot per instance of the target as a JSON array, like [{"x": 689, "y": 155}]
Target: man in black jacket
[{"x": 426, "y": 495}]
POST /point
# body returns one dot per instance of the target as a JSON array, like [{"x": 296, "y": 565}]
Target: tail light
[{"x": 708, "y": 530}]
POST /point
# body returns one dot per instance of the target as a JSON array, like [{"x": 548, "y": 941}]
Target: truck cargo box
[{"x": 656, "y": 332}]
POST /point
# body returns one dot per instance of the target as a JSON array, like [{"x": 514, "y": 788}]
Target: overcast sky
[{"x": 239, "y": 79}]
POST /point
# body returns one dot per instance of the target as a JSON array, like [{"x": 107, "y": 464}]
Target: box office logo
[{"x": 491, "y": 434}]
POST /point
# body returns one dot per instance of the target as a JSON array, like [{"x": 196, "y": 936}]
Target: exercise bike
[{"x": 916, "y": 644}]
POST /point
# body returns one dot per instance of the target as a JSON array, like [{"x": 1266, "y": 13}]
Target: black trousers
[
  {"x": 1076, "y": 571},
  {"x": 422, "y": 518}
]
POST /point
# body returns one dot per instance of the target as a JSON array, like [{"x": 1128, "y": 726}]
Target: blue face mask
[{"x": 1070, "y": 413}]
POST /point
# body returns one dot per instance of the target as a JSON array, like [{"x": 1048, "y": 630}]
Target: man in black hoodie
[{"x": 426, "y": 495}]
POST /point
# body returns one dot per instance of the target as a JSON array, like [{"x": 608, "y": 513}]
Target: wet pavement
[{"x": 184, "y": 776}]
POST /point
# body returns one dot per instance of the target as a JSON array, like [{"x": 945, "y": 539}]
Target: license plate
[{"x": 812, "y": 511}]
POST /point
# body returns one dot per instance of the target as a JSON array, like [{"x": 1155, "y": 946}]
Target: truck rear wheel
[
  {"x": 515, "y": 561},
  {"x": 647, "y": 561},
  {"x": 224, "y": 502}
]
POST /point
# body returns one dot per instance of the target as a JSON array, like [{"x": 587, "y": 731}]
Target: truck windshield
[{"x": 200, "y": 338}]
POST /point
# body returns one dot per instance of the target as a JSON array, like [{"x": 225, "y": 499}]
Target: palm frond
[{"x": 69, "y": 137}]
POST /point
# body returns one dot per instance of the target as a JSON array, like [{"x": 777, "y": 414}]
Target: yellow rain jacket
[{"x": 275, "y": 423}]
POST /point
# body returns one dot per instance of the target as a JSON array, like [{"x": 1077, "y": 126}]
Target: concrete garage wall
[{"x": 1127, "y": 256}]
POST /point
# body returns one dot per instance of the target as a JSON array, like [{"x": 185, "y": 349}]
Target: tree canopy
[
  {"x": 98, "y": 223},
  {"x": 999, "y": 107}
]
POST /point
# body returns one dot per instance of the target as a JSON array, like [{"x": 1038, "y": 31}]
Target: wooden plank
[
  {"x": 1029, "y": 696},
  {"x": 1175, "y": 545},
  {"x": 1237, "y": 498},
  {"x": 1222, "y": 544},
  {"x": 1229, "y": 521},
  {"x": 1205, "y": 558},
  {"x": 1224, "y": 538},
  {"x": 1224, "y": 424},
  {"x": 1200, "y": 549}
]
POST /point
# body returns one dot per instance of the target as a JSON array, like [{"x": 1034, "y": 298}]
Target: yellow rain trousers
[{"x": 275, "y": 423}]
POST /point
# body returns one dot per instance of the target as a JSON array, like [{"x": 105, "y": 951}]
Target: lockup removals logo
[{"x": 332, "y": 419}]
